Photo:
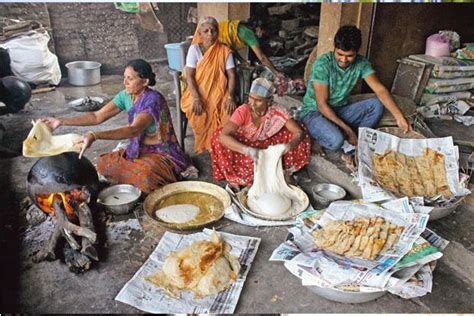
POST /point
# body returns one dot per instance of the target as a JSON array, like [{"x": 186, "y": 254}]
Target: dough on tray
[{"x": 178, "y": 213}]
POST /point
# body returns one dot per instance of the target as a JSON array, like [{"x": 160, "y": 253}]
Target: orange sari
[{"x": 211, "y": 82}]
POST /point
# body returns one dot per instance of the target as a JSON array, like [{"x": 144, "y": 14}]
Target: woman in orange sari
[{"x": 208, "y": 100}]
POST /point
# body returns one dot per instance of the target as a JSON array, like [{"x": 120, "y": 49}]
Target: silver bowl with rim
[
  {"x": 326, "y": 193},
  {"x": 120, "y": 198}
]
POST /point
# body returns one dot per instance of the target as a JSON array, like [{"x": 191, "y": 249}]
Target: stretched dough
[
  {"x": 41, "y": 143},
  {"x": 270, "y": 194}
]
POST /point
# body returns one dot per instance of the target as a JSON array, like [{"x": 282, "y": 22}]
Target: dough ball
[
  {"x": 178, "y": 214},
  {"x": 271, "y": 204}
]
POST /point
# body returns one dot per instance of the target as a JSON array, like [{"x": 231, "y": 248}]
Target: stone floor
[{"x": 49, "y": 287}]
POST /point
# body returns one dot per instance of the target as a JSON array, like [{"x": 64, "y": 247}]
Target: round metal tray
[
  {"x": 154, "y": 198},
  {"x": 83, "y": 105},
  {"x": 242, "y": 197}
]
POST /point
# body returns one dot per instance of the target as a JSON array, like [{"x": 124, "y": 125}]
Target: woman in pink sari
[{"x": 252, "y": 127}]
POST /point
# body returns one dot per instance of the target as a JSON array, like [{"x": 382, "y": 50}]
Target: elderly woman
[
  {"x": 153, "y": 156},
  {"x": 208, "y": 99},
  {"x": 252, "y": 127}
]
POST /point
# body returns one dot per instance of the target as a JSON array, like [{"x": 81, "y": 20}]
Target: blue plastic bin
[{"x": 176, "y": 55}]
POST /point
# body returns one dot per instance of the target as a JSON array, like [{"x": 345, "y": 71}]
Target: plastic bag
[{"x": 31, "y": 59}]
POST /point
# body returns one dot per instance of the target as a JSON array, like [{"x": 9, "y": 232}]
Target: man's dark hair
[{"x": 348, "y": 38}]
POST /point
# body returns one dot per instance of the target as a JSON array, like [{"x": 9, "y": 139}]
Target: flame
[{"x": 45, "y": 202}]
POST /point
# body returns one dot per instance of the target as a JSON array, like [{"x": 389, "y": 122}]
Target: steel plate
[
  {"x": 154, "y": 198},
  {"x": 242, "y": 196}
]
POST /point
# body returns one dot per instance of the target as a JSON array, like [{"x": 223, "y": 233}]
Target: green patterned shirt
[{"x": 325, "y": 70}]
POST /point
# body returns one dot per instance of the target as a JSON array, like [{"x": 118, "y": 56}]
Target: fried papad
[
  {"x": 412, "y": 176},
  {"x": 204, "y": 268},
  {"x": 362, "y": 237}
]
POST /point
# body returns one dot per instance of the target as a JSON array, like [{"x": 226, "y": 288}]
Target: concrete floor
[{"x": 49, "y": 287}]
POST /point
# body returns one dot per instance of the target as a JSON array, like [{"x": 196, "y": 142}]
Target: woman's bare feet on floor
[{"x": 349, "y": 161}]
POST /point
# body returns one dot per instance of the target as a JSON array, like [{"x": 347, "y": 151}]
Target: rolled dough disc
[{"x": 178, "y": 214}]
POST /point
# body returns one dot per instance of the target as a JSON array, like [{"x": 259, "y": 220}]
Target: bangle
[{"x": 93, "y": 135}]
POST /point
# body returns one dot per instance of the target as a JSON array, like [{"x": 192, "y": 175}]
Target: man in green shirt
[{"x": 326, "y": 112}]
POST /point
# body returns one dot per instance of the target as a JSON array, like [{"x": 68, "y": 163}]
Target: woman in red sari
[{"x": 252, "y": 127}]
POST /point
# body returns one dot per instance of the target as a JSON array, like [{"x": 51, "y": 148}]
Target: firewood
[
  {"x": 85, "y": 219},
  {"x": 75, "y": 260},
  {"x": 48, "y": 251},
  {"x": 66, "y": 224}
]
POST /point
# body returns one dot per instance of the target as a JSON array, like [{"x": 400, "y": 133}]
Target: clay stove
[{"x": 63, "y": 186}]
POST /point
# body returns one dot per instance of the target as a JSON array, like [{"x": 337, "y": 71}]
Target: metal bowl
[
  {"x": 346, "y": 296},
  {"x": 443, "y": 211},
  {"x": 119, "y": 199},
  {"x": 326, "y": 193}
]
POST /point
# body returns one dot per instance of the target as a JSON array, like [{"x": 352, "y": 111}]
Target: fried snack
[
  {"x": 412, "y": 176},
  {"x": 204, "y": 268},
  {"x": 362, "y": 237}
]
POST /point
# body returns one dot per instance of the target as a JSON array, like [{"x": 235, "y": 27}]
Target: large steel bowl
[
  {"x": 443, "y": 211},
  {"x": 119, "y": 199},
  {"x": 341, "y": 296}
]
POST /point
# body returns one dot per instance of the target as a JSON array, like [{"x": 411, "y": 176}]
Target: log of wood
[
  {"x": 48, "y": 252},
  {"x": 75, "y": 260},
  {"x": 73, "y": 228},
  {"x": 85, "y": 219},
  {"x": 62, "y": 223}
]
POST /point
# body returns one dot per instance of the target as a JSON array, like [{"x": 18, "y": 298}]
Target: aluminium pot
[{"x": 83, "y": 73}]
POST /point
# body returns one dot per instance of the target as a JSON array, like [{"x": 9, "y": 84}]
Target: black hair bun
[{"x": 152, "y": 79}]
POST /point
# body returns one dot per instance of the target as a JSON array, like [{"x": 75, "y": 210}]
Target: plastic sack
[{"x": 31, "y": 59}]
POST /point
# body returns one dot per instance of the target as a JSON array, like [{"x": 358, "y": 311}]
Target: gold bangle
[{"x": 93, "y": 135}]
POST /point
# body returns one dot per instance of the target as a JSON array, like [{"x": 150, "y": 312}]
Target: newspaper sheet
[
  {"x": 315, "y": 268},
  {"x": 150, "y": 298},
  {"x": 372, "y": 141}
]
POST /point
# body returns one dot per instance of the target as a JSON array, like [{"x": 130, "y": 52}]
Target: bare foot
[{"x": 349, "y": 160}]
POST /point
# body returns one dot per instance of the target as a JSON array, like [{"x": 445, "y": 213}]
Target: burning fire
[{"x": 45, "y": 202}]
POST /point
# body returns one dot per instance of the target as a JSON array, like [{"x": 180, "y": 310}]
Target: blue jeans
[{"x": 366, "y": 113}]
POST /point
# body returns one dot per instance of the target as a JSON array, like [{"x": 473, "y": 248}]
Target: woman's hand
[
  {"x": 51, "y": 122},
  {"x": 230, "y": 105},
  {"x": 85, "y": 141},
  {"x": 198, "y": 106},
  {"x": 251, "y": 152}
]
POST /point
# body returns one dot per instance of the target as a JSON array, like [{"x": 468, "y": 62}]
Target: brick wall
[{"x": 99, "y": 32}]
